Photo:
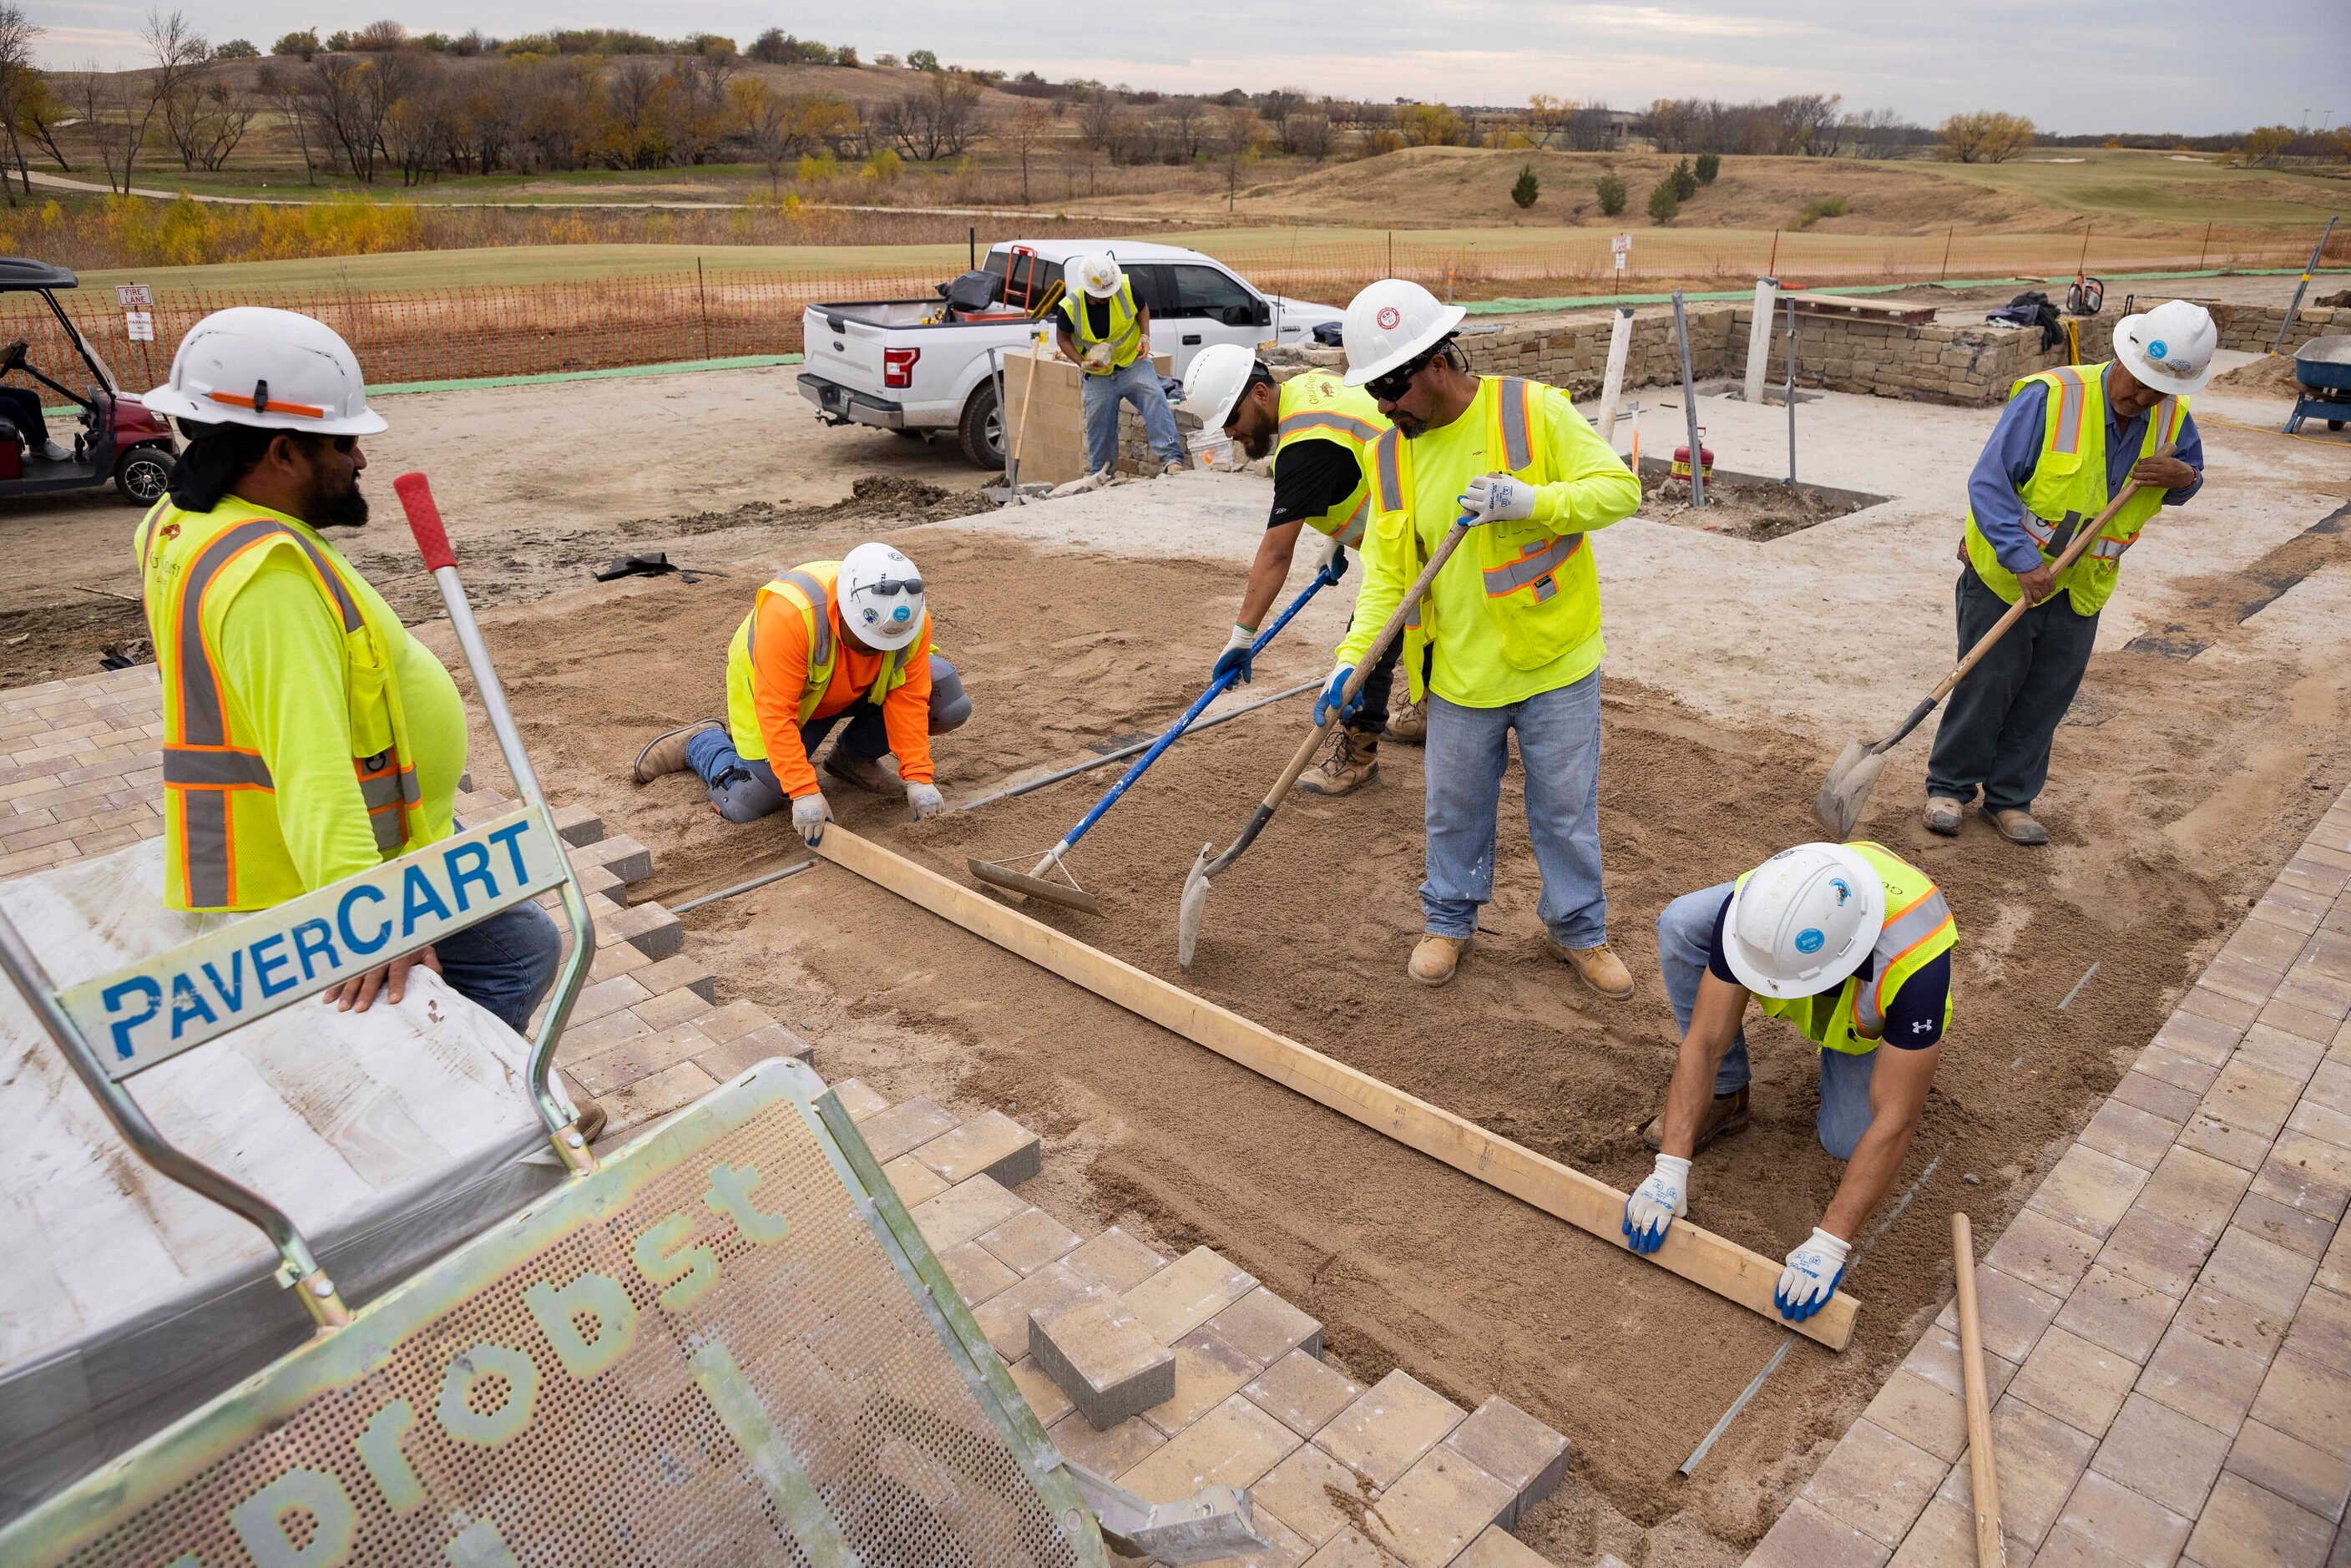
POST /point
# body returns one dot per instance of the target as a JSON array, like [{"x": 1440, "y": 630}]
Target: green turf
[{"x": 2159, "y": 187}]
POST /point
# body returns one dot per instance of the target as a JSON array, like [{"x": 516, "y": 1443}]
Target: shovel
[
  {"x": 1038, "y": 881},
  {"x": 1195, "y": 881},
  {"x": 1843, "y": 797}
]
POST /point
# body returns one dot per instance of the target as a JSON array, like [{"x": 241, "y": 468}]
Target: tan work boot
[
  {"x": 1601, "y": 968},
  {"x": 1727, "y": 1114},
  {"x": 1435, "y": 957},
  {"x": 1409, "y": 723},
  {"x": 1942, "y": 815},
  {"x": 1352, "y": 763},
  {"x": 875, "y": 775},
  {"x": 665, "y": 753},
  {"x": 2016, "y": 826}
]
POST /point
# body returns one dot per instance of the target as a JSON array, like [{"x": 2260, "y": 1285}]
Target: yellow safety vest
[
  {"x": 1542, "y": 592},
  {"x": 805, "y": 588},
  {"x": 1319, "y": 406},
  {"x": 221, "y": 844},
  {"x": 1919, "y": 927},
  {"x": 1126, "y": 325},
  {"x": 2068, "y": 488}
]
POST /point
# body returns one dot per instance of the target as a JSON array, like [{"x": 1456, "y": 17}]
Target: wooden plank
[
  {"x": 1911, "y": 314},
  {"x": 1699, "y": 1255}
]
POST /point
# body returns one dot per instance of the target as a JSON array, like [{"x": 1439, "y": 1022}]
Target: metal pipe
[
  {"x": 2317, "y": 253},
  {"x": 1689, "y": 406},
  {"x": 1789, "y": 396},
  {"x": 1126, "y": 751},
  {"x": 758, "y": 882}
]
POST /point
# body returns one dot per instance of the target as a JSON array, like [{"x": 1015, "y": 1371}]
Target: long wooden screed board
[{"x": 1699, "y": 1255}]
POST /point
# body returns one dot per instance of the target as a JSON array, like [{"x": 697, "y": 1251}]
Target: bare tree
[
  {"x": 1277, "y": 107},
  {"x": 1097, "y": 119},
  {"x": 1240, "y": 134},
  {"x": 1878, "y": 133},
  {"x": 106, "y": 113},
  {"x": 41, "y": 112},
  {"x": 180, "y": 55},
  {"x": 1188, "y": 121},
  {"x": 1028, "y": 126},
  {"x": 1310, "y": 132},
  {"x": 349, "y": 110},
  {"x": 939, "y": 119},
  {"x": 18, "y": 79}
]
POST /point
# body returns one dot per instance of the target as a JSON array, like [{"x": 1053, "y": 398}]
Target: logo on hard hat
[
  {"x": 1810, "y": 940},
  {"x": 902, "y": 613},
  {"x": 2156, "y": 350},
  {"x": 1388, "y": 317}
]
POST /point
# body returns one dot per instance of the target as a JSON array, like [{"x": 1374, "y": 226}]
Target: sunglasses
[
  {"x": 891, "y": 587},
  {"x": 1389, "y": 388}
]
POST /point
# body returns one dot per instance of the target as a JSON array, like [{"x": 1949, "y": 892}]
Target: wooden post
[
  {"x": 1699, "y": 1255},
  {"x": 1991, "y": 1544}
]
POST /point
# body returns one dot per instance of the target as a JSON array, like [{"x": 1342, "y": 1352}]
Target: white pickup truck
[{"x": 926, "y": 367}]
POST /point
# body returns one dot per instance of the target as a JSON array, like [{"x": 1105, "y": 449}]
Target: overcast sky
[{"x": 2072, "y": 65}]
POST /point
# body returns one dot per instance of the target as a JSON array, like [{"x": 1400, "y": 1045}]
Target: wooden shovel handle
[{"x": 1992, "y": 1543}]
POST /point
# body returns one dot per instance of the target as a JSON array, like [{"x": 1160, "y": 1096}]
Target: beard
[
  {"x": 348, "y": 510},
  {"x": 1413, "y": 428},
  {"x": 1254, "y": 443}
]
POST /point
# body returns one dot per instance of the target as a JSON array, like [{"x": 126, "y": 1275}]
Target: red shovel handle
[{"x": 415, "y": 493}]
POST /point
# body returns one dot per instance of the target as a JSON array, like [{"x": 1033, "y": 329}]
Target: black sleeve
[
  {"x": 1915, "y": 1021},
  {"x": 1309, "y": 478},
  {"x": 1716, "y": 964}
]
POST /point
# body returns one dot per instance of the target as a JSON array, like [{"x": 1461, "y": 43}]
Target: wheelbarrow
[{"x": 2323, "y": 367}]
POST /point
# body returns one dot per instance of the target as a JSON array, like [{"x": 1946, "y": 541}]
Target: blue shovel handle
[{"x": 1334, "y": 569}]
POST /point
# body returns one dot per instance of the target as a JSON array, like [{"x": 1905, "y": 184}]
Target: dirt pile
[
  {"x": 1741, "y": 508},
  {"x": 2272, "y": 375}
]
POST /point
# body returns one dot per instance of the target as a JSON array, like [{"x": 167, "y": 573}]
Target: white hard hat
[
  {"x": 1803, "y": 920},
  {"x": 278, "y": 370},
  {"x": 2169, "y": 349},
  {"x": 1213, "y": 384},
  {"x": 1098, "y": 274},
  {"x": 1391, "y": 323},
  {"x": 880, "y": 596}
]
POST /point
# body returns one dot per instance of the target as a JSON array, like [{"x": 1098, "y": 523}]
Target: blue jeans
[
  {"x": 1559, "y": 741},
  {"x": 744, "y": 789},
  {"x": 1137, "y": 383},
  {"x": 505, "y": 963},
  {"x": 1684, "y": 937}
]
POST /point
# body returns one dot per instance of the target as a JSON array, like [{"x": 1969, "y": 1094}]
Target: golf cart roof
[{"x": 19, "y": 272}]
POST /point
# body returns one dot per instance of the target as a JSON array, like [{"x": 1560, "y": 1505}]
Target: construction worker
[
  {"x": 1853, "y": 946},
  {"x": 2068, "y": 441},
  {"x": 1107, "y": 335},
  {"x": 1317, "y": 429},
  {"x": 829, "y": 641},
  {"x": 306, "y": 735},
  {"x": 1512, "y": 622}
]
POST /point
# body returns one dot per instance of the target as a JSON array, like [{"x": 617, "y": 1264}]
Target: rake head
[{"x": 1037, "y": 881}]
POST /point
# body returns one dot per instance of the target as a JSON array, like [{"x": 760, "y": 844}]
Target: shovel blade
[
  {"x": 1195, "y": 905},
  {"x": 1062, "y": 892},
  {"x": 1846, "y": 793}
]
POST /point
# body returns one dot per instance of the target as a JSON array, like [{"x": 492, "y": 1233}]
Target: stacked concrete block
[
  {"x": 2168, "y": 1322},
  {"x": 1100, "y": 1354}
]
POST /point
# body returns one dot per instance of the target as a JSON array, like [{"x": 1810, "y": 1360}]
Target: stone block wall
[{"x": 1574, "y": 354}]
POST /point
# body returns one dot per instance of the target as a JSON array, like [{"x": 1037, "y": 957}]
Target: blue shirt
[
  {"x": 1996, "y": 487},
  {"x": 1912, "y": 1022}
]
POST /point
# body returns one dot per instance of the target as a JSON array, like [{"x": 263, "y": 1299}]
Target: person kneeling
[
  {"x": 1851, "y": 944},
  {"x": 825, "y": 642}
]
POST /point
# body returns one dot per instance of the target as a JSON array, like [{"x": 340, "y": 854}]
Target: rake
[{"x": 1050, "y": 878}]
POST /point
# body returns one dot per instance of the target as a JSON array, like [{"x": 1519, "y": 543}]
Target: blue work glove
[
  {"x": 1327, "y": 703},
  {"x": 1498, "y": 497},
  {"x": 1236, "y": 654},
  {"x": 1656, "y": 1203},
  {"x": 1812, "y": 1275},
  {"x": 1336, "y": 567}
]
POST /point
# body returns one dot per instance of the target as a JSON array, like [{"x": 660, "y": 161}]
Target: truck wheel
[
  {"x": 142, "y": 474},
  {"x": 980, "y": 432}
]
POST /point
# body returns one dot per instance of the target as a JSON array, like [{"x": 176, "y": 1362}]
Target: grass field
[{"x": 2162, "y": 187}]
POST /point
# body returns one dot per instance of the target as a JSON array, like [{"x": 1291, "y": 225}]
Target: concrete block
[
  {"x": 1389, "y": 1426},
  {"x": 1044, "y": 1396},
  {"x": 858, "y": 1099},
  {"x": 2130, "y": 1527},
  {"x": 1004, "y": 1318},
  {"x": 2124, "y": 1314},
  {"x": 1208, "y": 1372},
  {"x": 648, "y": 927},
  {"x": 902, "y": 1128},
  {"x": 1102, "y": 1356},
  {"x": 2079, "y": 1381},
  {"x": 1496, "y": 1547},
  {"x": 2159, "y": 1454},
  {"x": 2247, "y": 1526},
  {"x": 1512, "y": 1445},
  {"x": 2291, "y": 1468},
  {"x": 577, "y": 825},
  {"x": 1262, "y": 1328},
  {"x": 1234, "y": 1444},
  {"x": 1030, "y": 1240},
  {"x": 976, "y": 1273},
  {"x": 1437, "y": 1508},
  {"x": 1187, "y": 1293},
  {"x": 991, "y": 1143},
  {"x": 2307, "y": 1399},
  {"x": 912, "y": 1181},
  {"x": 1875, "y": 1481},
  {"x": 1806, "y": 1537},
  {"x": 962, "y": 1212},
  {"x": 1302, "y": 1393},
  {"x": 1115, "y": 1261},
  {"x": 627, "y": 860}
]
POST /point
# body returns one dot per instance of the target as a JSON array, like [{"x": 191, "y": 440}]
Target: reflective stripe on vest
[
  {"x": 820, "y": 604},
  {"x": 1332, "y": 420},
  {"x": 201, "y": 766},
  {"x": 1510, "y": 401},
  {"x": 1351, "y": 534},
  {"x": 1901, "y": 933},
  {"x": 1533, "y": 568},
  {"x": 2067, "y": 386},
  {"x": 1388, "y": 469}
]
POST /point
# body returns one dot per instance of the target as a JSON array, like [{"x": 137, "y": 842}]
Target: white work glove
[
  {"x": 1812, "y": 1275},
  {"x": 1656, "y": 1203},
  {"x": 810, "y": 814},
  {"x": 1498, "y": 497},
  {"x": 1098, "y": 357},
  {"x": 925, "y": 799},
  {"x": 1319, "y": 549}
]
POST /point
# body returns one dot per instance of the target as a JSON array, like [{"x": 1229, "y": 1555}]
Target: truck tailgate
[{"x": 842, "y": 351}]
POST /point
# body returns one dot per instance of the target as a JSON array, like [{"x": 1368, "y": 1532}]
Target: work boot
[
  {"x": 2016, "y": 826},
  {"x": 1352, "y": 763},
  {"x": 1601, "y": 968},
  {"x": 875, "y": 775},
  {"x": 665, "y": 753},
  {"x": 1728, "y": 1113},
  {"x": 1179, "y": 466},
  {"x": 1435, "y": 958},
  {"x": 1942, "y": 815},
  {"x": 1409, "y": 723}
]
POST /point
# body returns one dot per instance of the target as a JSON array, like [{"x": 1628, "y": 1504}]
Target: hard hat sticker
[
  {"x": 2157, "y": 349},
  {"x": 1810, "y": 940}
]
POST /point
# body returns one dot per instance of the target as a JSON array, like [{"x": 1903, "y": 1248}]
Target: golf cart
[{"x": 119, "y": 441}]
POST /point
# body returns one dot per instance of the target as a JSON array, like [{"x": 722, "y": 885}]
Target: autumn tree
[{"x": 1988, "y": 137}]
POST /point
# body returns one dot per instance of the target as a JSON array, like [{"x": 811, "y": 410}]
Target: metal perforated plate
[{"x": 711, "y": 1351}]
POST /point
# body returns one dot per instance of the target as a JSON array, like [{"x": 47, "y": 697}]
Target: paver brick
[
  {"x": 2259, "y": 1271},
  {"x": 976, "y": 1273},
  {"x": 2127, "y": 1132},
  {"x": 2303, "y": 1172},
  {"x": 656, "y": 1096},
  {"x": 1187, "y": 1292},
  {"x": 1263, "y": 1328},
  {"x": 1438, "y": 1507},
  {"x": 1044, "y": 1396},
  {"x": 680, "y": 971},
  {"x": 1514, "y": 1447},
  {"x": 1114, "y": 1260},
  {"x": 1313, "y": 1494},
  {"x": 2296, "y": 1231},
  {"x": 1302, "y": 1393},
  {"x": 2162, "y": 1455},
  {"x": 1384, "y": 1432},
  {"x": 1350, "y": 1549},
  {"x": 1004, "y": 1317},
  {"x": 2077, "y": 1380},
  {"x": 621, "y": 960},
  {"x": 2230, "y": 1323},
  {"x": 2245, "y": 1526},
  {"x": 583, "y": 1041},
  {"x": 2127, "y": 1526},
  {"x": 2307, "y": 1399},
  {"x": 859, "y": 1100},
  {"x": 1945, "y": 1537},
  {"x": 1208, "y": 1372},
  {"x": 1029, "y": 1240},
  {"x": 648, "y": 927},
  {"x": 637, "y": 1057},
  {"x": 2013, "y": 1314},
  {"x": 768, "y": 1042},
  {"x": 1936, "y": 1359},
  {"x": 2176, "y": 1068},
  {"x": 1919, "y": 1413},
  {"x": 902, "y": 1128},
  {"x": 1497, "y": 1547},
  {"x": 962, "y": 1212},
  {"x": 2292, "y": 1469},
  {"x": 1102, "y": 1358},
  {"x": 2194, "y": 1190},
  {"x": 1806, "y": 1537},
  {"x": 2156, "y": 1096},
  {"x": 2322, "y": 1329},
  {"x": 2210, "y": 1382},
  {"x": 1111, "y": 1453},
  {"x": 2039, "y": 1458},
  {"x": 1233, "y": 1445},
  {"x": 2207, "y": 1040},
  {"x": 2205, "y": 1002},
  {"x": 606, "y": 996},
  {"x": 912, "y": 1181},
  {"x": 991, "y": 1143},
  {"x": 2324, "y": 1123},
  {"x": 2044, "y": 1253},
  {"x": 1876, "y": 1481},
  {"x": 2153, "y": 1252},
  {"x": 2290, "y": 1056}
]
